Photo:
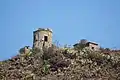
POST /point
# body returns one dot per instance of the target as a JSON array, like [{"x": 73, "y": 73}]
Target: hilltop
[
  {"x": 46, "y": 61},
  {"x": 56, "y": 63}
]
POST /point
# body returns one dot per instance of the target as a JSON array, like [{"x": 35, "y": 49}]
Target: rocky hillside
[{"x": 62, "y": 64}]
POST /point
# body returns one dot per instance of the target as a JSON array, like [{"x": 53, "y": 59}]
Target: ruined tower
[{"x": 42, "y": 38}]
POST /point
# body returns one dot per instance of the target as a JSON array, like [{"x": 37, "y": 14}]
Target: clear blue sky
[{"x": 71, "y": 20}]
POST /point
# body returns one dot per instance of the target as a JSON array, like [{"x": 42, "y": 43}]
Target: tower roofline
[{"x": 43, "y": 29}]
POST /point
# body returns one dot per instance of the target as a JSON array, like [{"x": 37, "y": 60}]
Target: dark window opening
[
  {"x": 45, "y": 38},
  {"x": 92, "y": 47},
  {"x": 27, "y": 47}
]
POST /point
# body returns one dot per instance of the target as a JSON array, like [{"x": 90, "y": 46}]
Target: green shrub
[
  {"x": 35, "y": 50},
  {"x": 79, "y": 46},
  {"x": 67, "y": 54},
  {"x": 46, "y": 67},
  {"x": 21, "y": 50}
]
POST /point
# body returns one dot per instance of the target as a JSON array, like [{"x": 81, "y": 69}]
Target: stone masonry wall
[
  {"x": 39, "y": 40},
  {"x": 96, "y": 47}
]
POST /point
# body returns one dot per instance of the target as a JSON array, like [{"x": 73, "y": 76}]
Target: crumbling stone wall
[
  {"x": 42, "y": 38},
  {"x": 94, "y": 47},
  {"x": 84, "y": 43}
]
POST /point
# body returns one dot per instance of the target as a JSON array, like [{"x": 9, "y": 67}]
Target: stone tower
[{"x": 42, "y": 38}]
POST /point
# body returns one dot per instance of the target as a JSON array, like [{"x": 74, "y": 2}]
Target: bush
[
  {"x": 96, "y": 57},
  {"x": 50, "y": 52},
  {"x": 22, "y": 51},
  {"x": 79, "y": 46},
  {"x": 55, "y": 58},
  {"x": 69, "y": 55},
  {"x": 46, "y": 67},
  {"x": 36, "y": 50}
]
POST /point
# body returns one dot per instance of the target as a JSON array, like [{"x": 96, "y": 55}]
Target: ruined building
[
  {"x": 42, "y": 38},
  {"x": 91, "y": 45}
]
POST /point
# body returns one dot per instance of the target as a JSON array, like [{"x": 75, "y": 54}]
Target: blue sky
[{"x": 71, "y": 20}]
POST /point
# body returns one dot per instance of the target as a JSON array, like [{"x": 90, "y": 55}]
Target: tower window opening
[{"x": 45, "y": 38}]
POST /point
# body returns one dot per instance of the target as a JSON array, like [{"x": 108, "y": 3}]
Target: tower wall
[{"x": 42, "y": 37}]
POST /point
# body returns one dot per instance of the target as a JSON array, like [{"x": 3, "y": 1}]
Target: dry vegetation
[{"x": 62, "y": 64}]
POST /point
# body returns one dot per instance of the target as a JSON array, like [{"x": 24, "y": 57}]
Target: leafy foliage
[{"x": 79, "y": 46}]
